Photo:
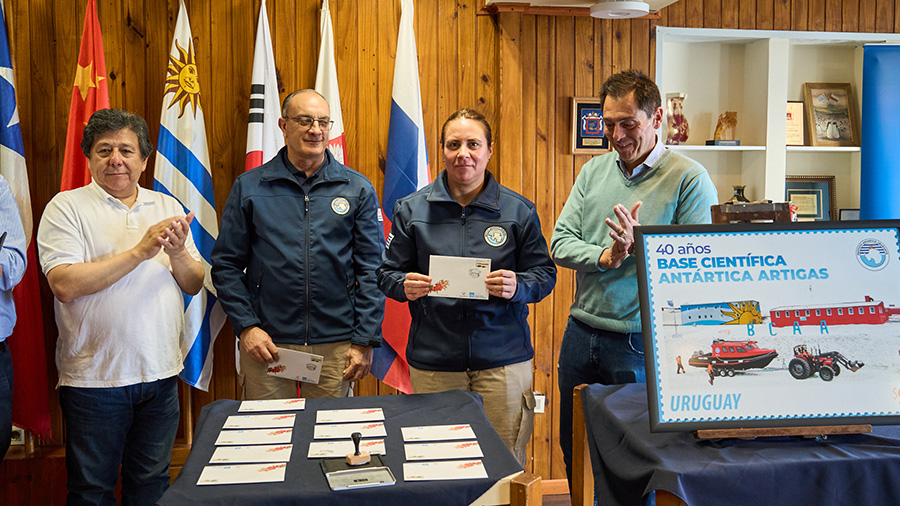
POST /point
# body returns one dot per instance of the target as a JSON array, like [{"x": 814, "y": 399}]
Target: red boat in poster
[{"x": 729, "y": 356}]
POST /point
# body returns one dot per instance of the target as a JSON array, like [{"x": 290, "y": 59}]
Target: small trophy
[{"x": 724, "y": 135}]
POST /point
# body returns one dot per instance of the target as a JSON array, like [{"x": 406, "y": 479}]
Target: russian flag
[{"x": 406, "y": 170}]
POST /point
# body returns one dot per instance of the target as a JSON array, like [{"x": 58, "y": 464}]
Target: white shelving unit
[{"x": 756, "y": 73}]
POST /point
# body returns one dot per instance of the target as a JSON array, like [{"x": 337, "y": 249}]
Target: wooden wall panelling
[
  {"x": 533, "y": 122},
  {"x": 833, "y": 15},
  {"x": 712, "y": 12},
  {"x": 896, "y": 10},
  {"x": 799, "y": 14},
  {"x": 468, "y": 38},
  {"x": 765, "y": 14},
  {"x": 731, "y": 12},
  {"x": 344, "y": 14},
  {"x": 621, "y": 48},
  {"x": 640, "y": 46},
  {"x": 693, "y": 13},
  {"x": 815, "y": 20},
  {"x": 884, "y": 16},
  {"x": 850, "y": 15},
  {"x": 486, "y": 68},
  {"x": 867, "y": 13},
  {"x": 565, "y": 166},
  {"x": 448, "y": 70},
  {"x": 747, "y": 14},
  {"x": 429, "y": 71},
  {"x": 782, "y": 15}
]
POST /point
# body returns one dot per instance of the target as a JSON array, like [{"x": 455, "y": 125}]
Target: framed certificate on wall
[{"x": 794, "y": 131}]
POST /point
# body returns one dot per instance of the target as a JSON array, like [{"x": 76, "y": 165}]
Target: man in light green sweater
[{"x": 595, "y": 236}]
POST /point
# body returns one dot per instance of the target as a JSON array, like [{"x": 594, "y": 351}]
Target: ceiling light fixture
[{"x": 620, "y": 9}]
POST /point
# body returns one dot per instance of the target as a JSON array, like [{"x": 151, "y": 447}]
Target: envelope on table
[
  {"x": 349, "y": 415},
  {"x": 273, "y": 405},
  {"x": 259, "y": 421},
  {"x": 446, "y": 470},
  {"x": 319, "y": 449},
  {"x": 443, "y": 451},
  {"x": 254, "y": 437},
  {"x": 458, "y": 277},
  {"x": 242, "y": 473},
  {"x": 438, "y": 432},
  {"x": 344, "y": 430},
  {"x": 248, "y": 454}
]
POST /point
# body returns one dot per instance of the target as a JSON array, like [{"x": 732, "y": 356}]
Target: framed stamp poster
[
  {"x": 587, "y": 127},
  {"x": 770, "y": 324}
]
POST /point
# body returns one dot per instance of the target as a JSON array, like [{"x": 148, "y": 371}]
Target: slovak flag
[
  {"x": 182, "y": 171},
  {"x": 405, "y": 171},
  {"x": 264, "y": 138},
  {"x": 327, "y": 85}
]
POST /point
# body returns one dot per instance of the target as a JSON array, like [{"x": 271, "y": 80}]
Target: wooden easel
[{"x": 812, "y": 431}]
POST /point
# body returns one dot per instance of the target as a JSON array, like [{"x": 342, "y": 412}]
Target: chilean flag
[
  {"x": 327, "y": 85},
  {"x": 30, "y": 403},
  {"x": 264, "y": 138},
  {"x": 406, "y": 170}
]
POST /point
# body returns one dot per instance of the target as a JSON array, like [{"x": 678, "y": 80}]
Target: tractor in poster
[{"x": 806, "y": 363}]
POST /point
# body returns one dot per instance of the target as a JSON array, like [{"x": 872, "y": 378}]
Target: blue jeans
[
  {"x": 590, "y": 355},
  {"x": 6, "y": 386},
  {"x": 133, "y": 426}
]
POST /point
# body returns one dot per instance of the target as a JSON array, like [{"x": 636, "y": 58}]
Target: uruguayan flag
[{"x": 182, "y": 170}]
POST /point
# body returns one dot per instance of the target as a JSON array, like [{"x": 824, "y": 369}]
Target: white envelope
[
  {"x": 349, "y": 415},
  {"x": 344, "y": 430},
  {"x": 438, "y": 432},
  {"x": 443, "y": 451},
  {"x": 247, "y": 454},
  {"x": 447, "y": 470},
  {"x": 273, "y": 405},
  {"x": 458, "y": 277},
  {"x": 320, "y": 449},
  {"x": 254, "y": 437},
  {"x": 259, "y": 421},
  {"x": 296, "y": 365},
  {"x": 243, "y": 473}
]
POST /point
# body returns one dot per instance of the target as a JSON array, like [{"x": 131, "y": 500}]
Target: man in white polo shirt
[{"x": 118, "y": 258}]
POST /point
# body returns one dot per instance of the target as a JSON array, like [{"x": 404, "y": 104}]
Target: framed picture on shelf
[
  {"x": 794, "y": 130},
  {"x": 587, "y": 127},
  {"x": 831, "y": 118},
  {"x": 813, "y": 196},
  {"x": 848, "y": 215}
]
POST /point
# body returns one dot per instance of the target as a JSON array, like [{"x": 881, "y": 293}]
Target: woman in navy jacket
[{"x": 477, "y": 345}]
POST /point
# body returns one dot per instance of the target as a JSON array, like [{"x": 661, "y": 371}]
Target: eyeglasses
[{"x": 308, "y": 121}]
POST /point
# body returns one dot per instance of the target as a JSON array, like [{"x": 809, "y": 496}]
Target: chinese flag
[{"x": 89, "y": 94}]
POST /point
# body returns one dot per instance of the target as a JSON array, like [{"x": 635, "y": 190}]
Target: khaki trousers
[
  {"x": 258, "y": 385},
  {"x": 508, "y": 399}
]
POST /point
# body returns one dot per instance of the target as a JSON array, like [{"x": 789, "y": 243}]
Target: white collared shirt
[{"x": 131, "y": 331}]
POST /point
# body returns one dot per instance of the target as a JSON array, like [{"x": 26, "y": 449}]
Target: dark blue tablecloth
[
  {"x": 629, "y": 461},
  {"x": 304, "y": 482}
]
